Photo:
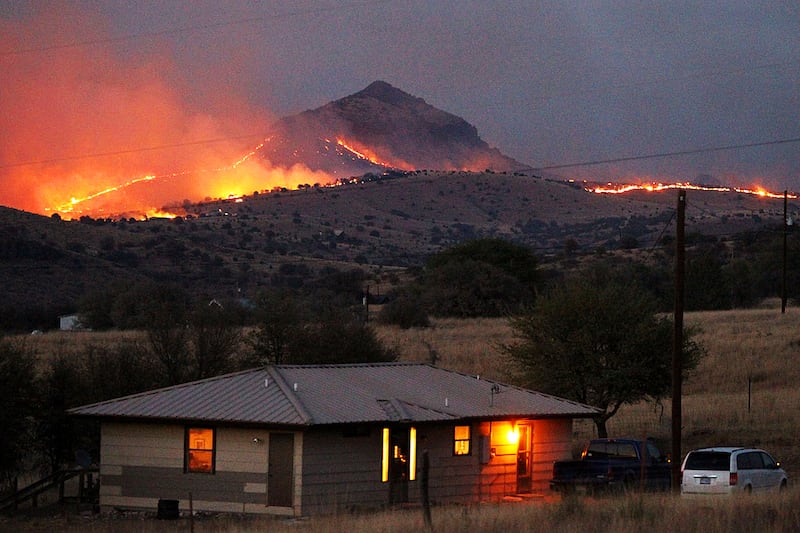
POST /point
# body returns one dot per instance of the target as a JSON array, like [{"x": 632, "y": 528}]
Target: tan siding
[
  {"x": 452, "y": 478},
  {"x": 552, "y": 441},
  {"x": 341, "y": 472},
  {"x": 110, "y": 470},
  {"x": 499, "y": 476},
  {"x": 237, "y": 451},
  {"x": 142, "y": 463},
  {"x": 299, "y": 443},
  {"x": 141, "y": 445}
]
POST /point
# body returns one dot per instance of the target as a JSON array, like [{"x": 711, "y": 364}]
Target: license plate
[{"x": 705, "y": 481}]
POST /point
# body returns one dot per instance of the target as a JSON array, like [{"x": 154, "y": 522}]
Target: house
[
  {"x": 312, "y": 439},
  {"x": 69, "y": 322}
]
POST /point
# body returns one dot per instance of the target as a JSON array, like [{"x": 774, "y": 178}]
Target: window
[
  {"x": 461, "y": 439},
  {"x": 199, "y": 450}
]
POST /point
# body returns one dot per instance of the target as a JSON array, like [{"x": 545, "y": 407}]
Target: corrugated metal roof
[{"x": 338, "y": 394}]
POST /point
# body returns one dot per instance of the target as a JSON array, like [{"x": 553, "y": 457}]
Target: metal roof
[{"x": 307, "y": 395}]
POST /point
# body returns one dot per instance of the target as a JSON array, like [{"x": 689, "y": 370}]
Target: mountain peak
[
  {"x": 397, "y": 130},
  {"x": 387, "y": 93}
]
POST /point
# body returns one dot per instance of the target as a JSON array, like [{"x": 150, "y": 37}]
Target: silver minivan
[{"x": 724, "y": 470}]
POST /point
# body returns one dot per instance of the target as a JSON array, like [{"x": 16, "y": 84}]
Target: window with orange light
[
  {"x": 199, "y": 450},
  {"x": 461, "y": 440}
]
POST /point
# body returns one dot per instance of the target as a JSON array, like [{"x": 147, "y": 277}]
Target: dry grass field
[
  {"x": 624, "y": 514},
  {"x": 743, "y": 393}
]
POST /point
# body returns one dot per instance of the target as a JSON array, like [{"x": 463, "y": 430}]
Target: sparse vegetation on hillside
[{"x": 227, "y": 250}]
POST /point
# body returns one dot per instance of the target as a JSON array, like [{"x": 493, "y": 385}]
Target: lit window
[
  {"x": 461, "y": 438},
  {"x": 199, "y": 455}
]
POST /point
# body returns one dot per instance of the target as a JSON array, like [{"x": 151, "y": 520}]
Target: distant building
[
  {"x": 310, "y": 439},
  {"x": 69, "y": 323}
]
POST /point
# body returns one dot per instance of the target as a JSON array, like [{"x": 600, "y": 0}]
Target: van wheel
[
  {"x": 784, "y": 485},
  {"x": 748, "y": 489}
]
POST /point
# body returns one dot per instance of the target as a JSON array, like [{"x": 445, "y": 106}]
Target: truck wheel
[{"x": 629, "y": 484}]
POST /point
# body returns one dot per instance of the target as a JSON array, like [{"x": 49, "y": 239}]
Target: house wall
[
  {"x": 550, "y": 441},
  {"x": 452, "y": 478},
  {"x": 142, "y": 463},
  {"x": 342, "y": 472},
  {"x": 499, "y": 474}
]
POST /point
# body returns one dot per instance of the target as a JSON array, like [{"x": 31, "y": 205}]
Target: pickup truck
[{"x": 614, "y": 464}]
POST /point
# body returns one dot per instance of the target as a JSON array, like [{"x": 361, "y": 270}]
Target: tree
[
  {"x": 337, "y": 339},
  {"x": 17, "y": 405},
  {"x": 278, "y": 317},
  {"x": 167, "y": 333},
  {"x": 215, "y": 338},
  {"x": 515, "y": 260},
  {"x": 291, "y": 331},
  {"x": 483, "y": 277},
  {"x": 598, "y": 340}
]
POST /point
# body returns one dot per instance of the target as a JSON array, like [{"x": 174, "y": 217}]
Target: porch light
[{"x": 512, "y": 437}]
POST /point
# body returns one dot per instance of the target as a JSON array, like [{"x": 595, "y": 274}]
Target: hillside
[{"x": 232, "y": 248}]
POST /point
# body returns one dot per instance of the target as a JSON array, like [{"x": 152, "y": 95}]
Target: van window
[
  {"x": 749, "y": 461},
  {"x": 769, "y": 462},
  {"x": 709, "y": 461}
]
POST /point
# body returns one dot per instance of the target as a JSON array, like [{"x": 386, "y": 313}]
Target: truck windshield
[
  {"x": 708, "y": 461},
  {"x": 611, "y": 449}
]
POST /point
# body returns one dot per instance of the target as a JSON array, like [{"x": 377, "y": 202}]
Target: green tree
[
  {"x": 215, "y": 338},
  {"x": 289, "y": 331},
  {"x": 278, "y": 317},
  {"x": 405, "y": 310},
  {"x": 515, "y": 260},
  {"x": 471, "y": 288},
  {"x": 168, "y": 334},
  {"x": 483, "y": 277},
  {"x": 600, "y": 341},
  {"x": 17, "y": 405},
  {"x": 337, "y": 339}
]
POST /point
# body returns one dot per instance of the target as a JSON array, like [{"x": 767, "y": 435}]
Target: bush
[{"x": 406, "y": 311}]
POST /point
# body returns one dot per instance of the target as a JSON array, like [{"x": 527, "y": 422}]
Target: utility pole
[
  {"x": 677, "y": 341},
  {"x": 785, "y": 229}
]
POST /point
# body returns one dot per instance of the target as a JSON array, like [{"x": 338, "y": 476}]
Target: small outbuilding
[
  {"x": 311, "y": 439},
  {"x": 69, "y": 322}
]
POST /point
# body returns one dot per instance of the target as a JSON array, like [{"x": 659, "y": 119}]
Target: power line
[
  {"x": 130, "y": 151},
  {"x": 668, "y": 154},
  {"x": 190, "y": 29}
]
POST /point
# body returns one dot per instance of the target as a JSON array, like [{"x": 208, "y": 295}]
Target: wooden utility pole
[
  {"x": 677, "y": 342},
  {"x": 785, "y": 229}
]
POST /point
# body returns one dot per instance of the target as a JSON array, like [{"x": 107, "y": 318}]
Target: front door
[
  {"x": 524, "y": 458},
  {"x": 280, "y": 476},
  {"x": 398, "y": 465}
]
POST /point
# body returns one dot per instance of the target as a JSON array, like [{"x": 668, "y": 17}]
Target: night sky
[{"x": 549, "y": 83}]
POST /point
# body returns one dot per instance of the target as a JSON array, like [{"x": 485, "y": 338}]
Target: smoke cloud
[{"x": 126, "y": 128}]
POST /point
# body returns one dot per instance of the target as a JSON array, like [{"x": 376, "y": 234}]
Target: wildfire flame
[
  {"x": 619, "y": 188},
  {"x": 362, "y": 153}
]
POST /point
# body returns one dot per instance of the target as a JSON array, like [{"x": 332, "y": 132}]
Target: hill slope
[{"x": 232, "y": 248}]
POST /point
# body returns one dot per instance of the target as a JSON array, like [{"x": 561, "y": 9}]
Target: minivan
[{"x": 724, "y": 470}]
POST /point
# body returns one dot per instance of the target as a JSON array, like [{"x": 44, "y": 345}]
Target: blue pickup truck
[{"x": 614, "y": 464}]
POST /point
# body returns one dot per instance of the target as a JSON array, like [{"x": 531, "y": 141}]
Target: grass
[
  {"x": 630, "y": 513},
  {"x": 743, "y": 393}
]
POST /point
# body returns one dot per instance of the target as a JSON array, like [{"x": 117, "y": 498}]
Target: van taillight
[{"x": 734, "y": 478}]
